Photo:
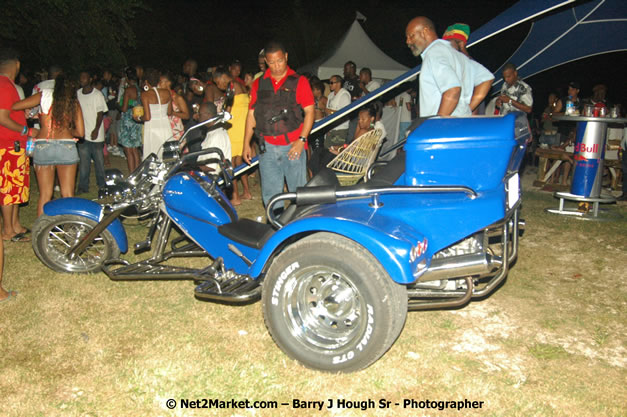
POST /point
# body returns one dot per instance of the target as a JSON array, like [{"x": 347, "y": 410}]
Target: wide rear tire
[
  {"x": 53, "y": 236},
  {"x": 329, "y": 304}
]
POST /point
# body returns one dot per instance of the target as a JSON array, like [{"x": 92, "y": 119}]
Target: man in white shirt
[
  {"x": 515, "y": 93},
  {"x": 53, "y": 72},
  {"x": 450, "y": 83},
  {"x": 367, "y": 84},
  {"x": 338, "y": 98},
  {"x": 94, "y": 107}
]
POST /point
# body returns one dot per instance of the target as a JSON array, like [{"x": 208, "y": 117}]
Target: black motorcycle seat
[
  {"x": 247, "y": 232},
  {"x": 325, "y": 177},
  {"x": 389, "y": 173},
  {"x": 254, "y": 234},
  {"x": 325, "y": 180}
]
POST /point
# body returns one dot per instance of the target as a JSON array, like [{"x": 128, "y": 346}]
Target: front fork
[
  {"x": 164, "y": 228},
  {"x": 87, "y": 240}
]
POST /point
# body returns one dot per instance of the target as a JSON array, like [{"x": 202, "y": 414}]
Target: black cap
[{"x": 574, "y": 84}]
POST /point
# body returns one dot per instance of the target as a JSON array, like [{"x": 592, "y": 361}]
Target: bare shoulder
[
  {"x": 239, "y": 89},
  {"x": 131, "y": 91},
  {"x": 149, "y": 96},
  {"x": 164, "y": 95}
]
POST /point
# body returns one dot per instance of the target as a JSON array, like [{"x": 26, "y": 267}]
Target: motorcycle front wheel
[{"x": 54, "y": 236}]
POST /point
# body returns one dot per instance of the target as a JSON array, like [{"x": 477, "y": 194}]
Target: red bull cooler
[{"x": 589, "y": 154}]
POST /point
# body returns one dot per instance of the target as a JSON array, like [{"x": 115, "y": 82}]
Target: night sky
[{"x": 216, "y": 32}]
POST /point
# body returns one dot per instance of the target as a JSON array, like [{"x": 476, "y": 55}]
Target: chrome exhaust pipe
[{"x": 461, "y": 266}]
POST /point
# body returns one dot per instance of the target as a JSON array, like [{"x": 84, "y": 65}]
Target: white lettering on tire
[
  {"x": 343, "y": 358},
  {"x": 279, "y": 282},
  {"x": 366, "y": 338},
  {"x": 362, "y": 343}
]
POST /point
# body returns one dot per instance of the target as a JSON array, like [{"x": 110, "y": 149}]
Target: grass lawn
[{"x": 550, "y": 342}]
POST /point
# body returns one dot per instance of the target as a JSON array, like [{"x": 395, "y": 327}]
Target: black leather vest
[{"x": 277, "y": 114}]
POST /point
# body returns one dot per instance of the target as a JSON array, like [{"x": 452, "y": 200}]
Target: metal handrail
[{"x": 365, "y": 192}]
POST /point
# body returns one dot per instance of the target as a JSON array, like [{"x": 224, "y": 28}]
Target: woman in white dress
[{"x": 157, "y": 103}]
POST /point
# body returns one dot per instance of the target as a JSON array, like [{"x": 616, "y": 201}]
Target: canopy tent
[
  {"x": 355, "y": 46},
  {"x": 519, "y": 13},
  {"x": 583, "y": 30}
]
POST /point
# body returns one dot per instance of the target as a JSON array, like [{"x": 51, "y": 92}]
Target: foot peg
[{"x": 142, "y": 246}]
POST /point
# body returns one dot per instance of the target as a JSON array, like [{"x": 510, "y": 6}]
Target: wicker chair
[{"x": 352, "y": 163}]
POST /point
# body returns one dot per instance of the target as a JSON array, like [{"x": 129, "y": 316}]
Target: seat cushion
[{"x": 247, "y": 232}]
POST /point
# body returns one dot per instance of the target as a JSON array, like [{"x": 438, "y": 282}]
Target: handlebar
[
  {"x": 193, "y": 156},
  {"x": 224, "y": 116}
]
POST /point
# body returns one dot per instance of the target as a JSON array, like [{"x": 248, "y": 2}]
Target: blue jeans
[
  {"x": 87, "y": 151},
  {"x": 275, "y": 168},
  {"x": 55, "y": 152},
  {"x": 402, "y": 128}
]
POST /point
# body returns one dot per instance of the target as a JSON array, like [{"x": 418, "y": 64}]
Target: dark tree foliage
[{"x": 73, "y": 33}]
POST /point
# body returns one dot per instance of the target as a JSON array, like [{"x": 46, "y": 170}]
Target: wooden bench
[
  {"x": 613, "y": 162},
  {"x": 546, "y": 168}
]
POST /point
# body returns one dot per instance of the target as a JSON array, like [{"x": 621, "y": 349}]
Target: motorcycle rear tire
[
  {"x": 53, "y": 236},
  {"x": 329, "y": 304}
]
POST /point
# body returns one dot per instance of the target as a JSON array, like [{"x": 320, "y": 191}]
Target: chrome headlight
[{"x": 115, "y": 192}]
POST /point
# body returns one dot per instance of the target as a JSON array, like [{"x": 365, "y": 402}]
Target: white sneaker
[{"x": 57, "y": 188}]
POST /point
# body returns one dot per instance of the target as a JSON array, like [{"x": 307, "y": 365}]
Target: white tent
[{"x": 355, "y": 46}]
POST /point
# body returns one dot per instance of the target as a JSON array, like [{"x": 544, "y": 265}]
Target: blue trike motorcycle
[{"x": 339, "y": 269}]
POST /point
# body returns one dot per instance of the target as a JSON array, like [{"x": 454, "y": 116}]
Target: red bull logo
[{"x": 589, "y": 151}]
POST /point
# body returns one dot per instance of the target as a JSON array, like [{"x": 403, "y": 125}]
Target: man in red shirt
[
  {"x": 15, "y": 172},
  {"x": 281, "y": 111}
]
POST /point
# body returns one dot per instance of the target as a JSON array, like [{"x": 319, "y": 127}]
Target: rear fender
[
  {"x": 392, "y": 250},
  {"x": 90, "y": 210}
]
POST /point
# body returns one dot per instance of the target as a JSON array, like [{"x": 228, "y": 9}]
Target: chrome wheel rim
[
  {"x": 61, "y": 237},
  {"x": 323, "y": 309}
]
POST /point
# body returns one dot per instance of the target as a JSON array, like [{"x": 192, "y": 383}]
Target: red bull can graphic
[{"x": 589, "y": 154}]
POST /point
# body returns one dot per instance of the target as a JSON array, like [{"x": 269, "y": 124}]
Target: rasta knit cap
[{"x": 459, "y": 31}]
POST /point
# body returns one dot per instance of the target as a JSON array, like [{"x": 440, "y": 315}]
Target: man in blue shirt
[{"x": 451, "y": 84}]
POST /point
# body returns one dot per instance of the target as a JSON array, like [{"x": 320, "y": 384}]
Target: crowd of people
[{"x": 131, "y": 114}]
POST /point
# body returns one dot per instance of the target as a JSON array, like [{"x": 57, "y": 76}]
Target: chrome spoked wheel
[
  {"x": 56, "y": 235},
  {"x": 323, "y": 308}
]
